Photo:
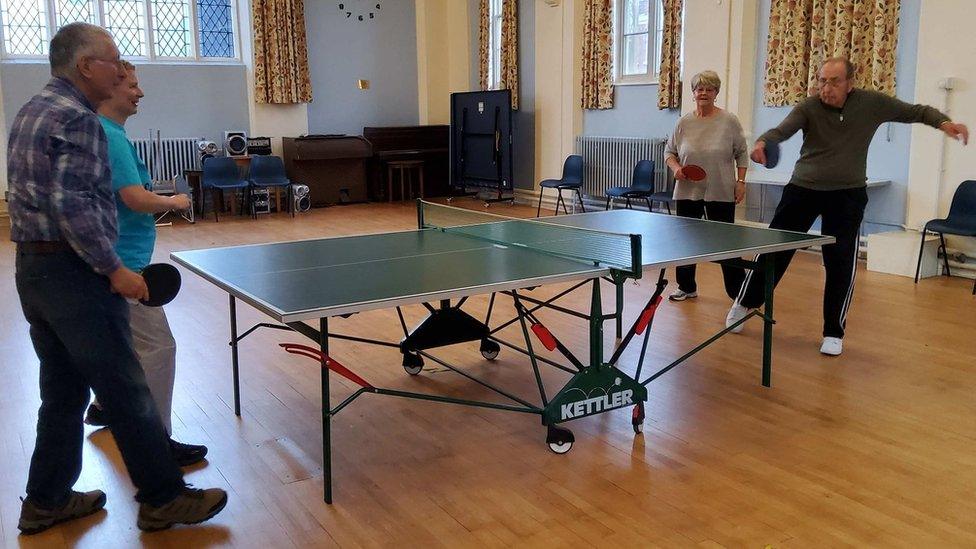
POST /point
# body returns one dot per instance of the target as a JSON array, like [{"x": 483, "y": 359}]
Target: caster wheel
[
  {"x": 413, "y": 363},
  {"x": 450, "y": 199},
  {"x": 487, "y": 204},
  {"x": 489, "y": 349},
  {"x": 637, "y": 420},
  {"x": 560, "y": 440}
]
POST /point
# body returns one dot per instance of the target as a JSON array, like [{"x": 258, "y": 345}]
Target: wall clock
[{"x": 362, "y": 10}]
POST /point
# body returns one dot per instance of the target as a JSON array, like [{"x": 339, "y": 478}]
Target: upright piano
[
  {"x": 427, "y": 143},
  {"x": 333, "y": 166}
]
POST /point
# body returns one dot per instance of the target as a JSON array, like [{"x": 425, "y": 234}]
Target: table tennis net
[{"x": 614, "y": 250}]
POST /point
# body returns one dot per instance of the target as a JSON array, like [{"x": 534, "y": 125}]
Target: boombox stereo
[
  {"x": 258, "y": 145},
  {"x": 235, "y": 143},
  {"x": 300, "y": 199}
]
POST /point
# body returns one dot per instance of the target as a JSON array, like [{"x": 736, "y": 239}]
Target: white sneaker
[
  {"x": 681, "y": 295},
  {"x": 832, "y": 346},
  {"x": 736, "y": 313}
]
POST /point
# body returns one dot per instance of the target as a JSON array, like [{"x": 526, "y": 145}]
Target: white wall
[{"x": 943, "y": 51}]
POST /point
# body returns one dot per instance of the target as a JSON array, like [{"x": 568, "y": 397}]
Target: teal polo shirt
[{"x": 137, "y": 231}]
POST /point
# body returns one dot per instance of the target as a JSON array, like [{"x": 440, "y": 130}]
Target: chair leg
[
  {"x": 918, "y": 266},
  {"x": 648, "y": 202},
  {"x": 213, "y": 197},
  {"x": 538, "y": 209},
  {"x": 945, "y": 254},
  {"x": 580, "y": 196},
  {"x": 668, "y": 204},
  {"x": 559, "y": 200},
  {"x": 629, "y": 205},
  {"x": 607, "y": 207}
]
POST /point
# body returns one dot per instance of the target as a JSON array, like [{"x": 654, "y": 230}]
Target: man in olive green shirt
[{"x": 830, "y": 181}]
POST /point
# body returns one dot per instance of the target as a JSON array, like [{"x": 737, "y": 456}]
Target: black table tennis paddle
[
  {"x": 772, "y": 154},
  {"x": 163, "y": 281}
]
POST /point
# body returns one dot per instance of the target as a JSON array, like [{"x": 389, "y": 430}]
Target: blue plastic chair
[
  {"x": 269, "y": 172},
  {"x": 220, "y": 174},
  {"x": 572, "y": 180},
  {"x": 961, "y": 221},
  {"x": 641, "y": 186}
]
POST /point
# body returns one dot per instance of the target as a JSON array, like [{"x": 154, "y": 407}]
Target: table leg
[
  {"x": 326, "y": 412},
  {"x": 389, "y": 183},
  {"x": 233, "y": 356},
  {"x": 769, "y": 271}
]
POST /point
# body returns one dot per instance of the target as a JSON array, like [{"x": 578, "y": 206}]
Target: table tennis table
[{"x": 458, "y": 253}]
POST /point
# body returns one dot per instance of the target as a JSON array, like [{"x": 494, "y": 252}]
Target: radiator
[
  {"x": 609, "y": 162},
  {"x": 166, "y": 158}
]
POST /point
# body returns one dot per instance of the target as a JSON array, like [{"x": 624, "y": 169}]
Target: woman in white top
[{"x": 712, "y": 139}]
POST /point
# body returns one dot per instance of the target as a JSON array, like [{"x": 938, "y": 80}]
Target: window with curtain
[
  {"x": 638, "y": 32},
  {"x": 170, "y": 30},
  {"x": 495, "y": 48}
]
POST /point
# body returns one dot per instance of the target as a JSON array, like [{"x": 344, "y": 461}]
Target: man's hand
[
  {"x": 758, "y": 154},
  {"x": 129, "y": 284},
  {"x": 740, "y": 191},
  {"x": 956, "y": 131},
  {"x": 179, "y": 202}
]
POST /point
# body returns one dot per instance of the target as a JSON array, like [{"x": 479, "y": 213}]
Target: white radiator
[
  {"x": 166, "y": 158},
  {"x": 609, "y": 162}
]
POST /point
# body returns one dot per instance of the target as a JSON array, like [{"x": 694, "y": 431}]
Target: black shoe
[
  {"x": 187, "y": 454},
  {"x": 96, "y": 416}
]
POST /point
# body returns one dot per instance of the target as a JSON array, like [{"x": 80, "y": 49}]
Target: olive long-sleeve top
[{"x": 834, "y": 153}]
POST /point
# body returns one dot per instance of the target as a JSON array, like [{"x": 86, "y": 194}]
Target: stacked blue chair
[
  {"x": 220, "y": 174},
  {"x": 269, "y": 172}
]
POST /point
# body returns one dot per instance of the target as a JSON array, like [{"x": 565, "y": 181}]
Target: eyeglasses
[
  {"x": 832, "y": 82},
  {"x": 117, "y": 62}
]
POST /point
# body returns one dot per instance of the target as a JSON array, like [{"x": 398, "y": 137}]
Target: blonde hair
[{"x": 706, "y": 78}]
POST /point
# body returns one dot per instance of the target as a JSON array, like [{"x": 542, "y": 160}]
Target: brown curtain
[
  {"x": 280, "y": 52},
  {"x": 484, "y": 43},
  {"x": 802, "y": 36},
  {"x": 669, "y": 74},
  {"x": 509, "y": 77},
  {"x": 597, "y": 82}
]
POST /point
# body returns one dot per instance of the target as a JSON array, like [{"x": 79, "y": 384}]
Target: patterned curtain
[
  {"x": 597, "y": 84},
  {"x": 509, "y": 77},
  {"x": 788, "y": 56},
  {"x": 280, "y": 52},
  {"x": 802, "y": 36},
  {"x": 669, "y": 79},
  {"x": 484, "y": 43},
  {"x": 864, "y": 31}
]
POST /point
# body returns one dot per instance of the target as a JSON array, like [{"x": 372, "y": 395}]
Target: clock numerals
[{"x": 355, "y": 8}]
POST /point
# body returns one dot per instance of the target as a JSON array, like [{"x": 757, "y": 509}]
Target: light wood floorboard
[{"x": 873, "y": 449}]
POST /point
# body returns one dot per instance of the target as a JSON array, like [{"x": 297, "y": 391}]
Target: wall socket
[{"x": 363, "y": 84}]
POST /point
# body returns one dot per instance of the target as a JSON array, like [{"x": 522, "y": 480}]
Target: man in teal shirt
[{"x": 136, "y": 203}]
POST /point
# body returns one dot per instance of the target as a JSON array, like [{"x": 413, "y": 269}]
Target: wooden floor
[{"x": 876, "y": 448}]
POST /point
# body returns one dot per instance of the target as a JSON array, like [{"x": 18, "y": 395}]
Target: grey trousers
[{"x": 153, "y": 342}]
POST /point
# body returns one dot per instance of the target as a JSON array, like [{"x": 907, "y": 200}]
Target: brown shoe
[
  {"x": 191, "y": 506},
  {"x": 34, "y": 519}
]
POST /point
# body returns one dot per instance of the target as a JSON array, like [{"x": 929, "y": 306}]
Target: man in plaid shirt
[{"x": 72, "y": 289}]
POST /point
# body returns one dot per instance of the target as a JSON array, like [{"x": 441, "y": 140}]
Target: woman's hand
[
  {"x": 740, "y": 191},
  {"x": 679, "y": 174}
]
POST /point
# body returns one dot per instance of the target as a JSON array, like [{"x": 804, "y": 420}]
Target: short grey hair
[
  {"x": 72, "y": 41},
  {"x": 706, "y": 78}
]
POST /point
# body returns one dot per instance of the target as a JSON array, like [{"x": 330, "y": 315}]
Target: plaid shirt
[{"x": 59, "y": 176}]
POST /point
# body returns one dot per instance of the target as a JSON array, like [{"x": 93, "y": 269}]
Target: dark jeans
[
  {"x": 714, "y": 211},
  {"x": 80, "y": 331},
  {"x": 841, "y": 211}
]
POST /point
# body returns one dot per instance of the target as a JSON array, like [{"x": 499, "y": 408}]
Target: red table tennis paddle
[
  {"x": 163, "y": 281},
  {"x": 694, "y": 172}
]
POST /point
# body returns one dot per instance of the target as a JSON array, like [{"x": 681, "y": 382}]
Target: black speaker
[
  {"x": 235, "y": 143},
  {"x": 258, "y": 145}
]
